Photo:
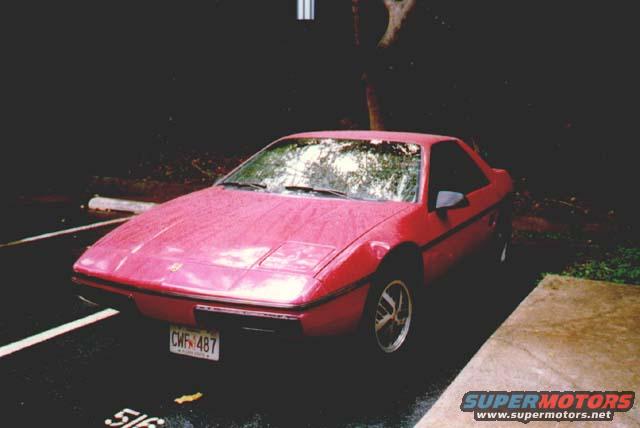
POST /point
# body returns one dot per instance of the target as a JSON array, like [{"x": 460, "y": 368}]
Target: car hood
[{"x": 227, "y": 242}]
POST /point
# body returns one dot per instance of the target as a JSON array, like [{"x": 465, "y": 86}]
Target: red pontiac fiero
[{"x": 319, "y": 233}]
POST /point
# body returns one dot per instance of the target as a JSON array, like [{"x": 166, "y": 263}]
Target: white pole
[{"x": 306, "y": 10}]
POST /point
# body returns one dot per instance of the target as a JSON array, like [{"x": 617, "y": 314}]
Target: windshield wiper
[
  {"x": 333, "y": 192},
  {"x": 241, "y": 184}
]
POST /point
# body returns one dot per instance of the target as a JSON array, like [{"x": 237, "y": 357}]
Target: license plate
[{"x": 194, "y": 342}]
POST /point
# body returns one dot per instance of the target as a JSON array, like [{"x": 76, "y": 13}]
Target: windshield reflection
[{"x": 371, "y": 169}]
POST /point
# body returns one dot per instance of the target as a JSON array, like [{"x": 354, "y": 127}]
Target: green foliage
[
  {"x": 529, "y": 235},
  {"x": 621, "y": 265}
]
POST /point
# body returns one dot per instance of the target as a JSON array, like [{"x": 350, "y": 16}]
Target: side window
[{"x": 450, "y": 168}]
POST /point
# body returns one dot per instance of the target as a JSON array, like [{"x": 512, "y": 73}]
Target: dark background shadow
[{"x": 545, "y": 89}]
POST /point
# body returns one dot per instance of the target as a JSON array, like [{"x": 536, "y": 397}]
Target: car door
[{"x": 455, "y": 232}]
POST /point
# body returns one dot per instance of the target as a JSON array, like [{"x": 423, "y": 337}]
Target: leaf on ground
[{"x": 188, "y": 398}]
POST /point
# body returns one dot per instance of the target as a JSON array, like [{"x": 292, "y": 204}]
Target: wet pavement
[
  {"x": 84, "y": 377},
  {"x": 30, "y": 216}
]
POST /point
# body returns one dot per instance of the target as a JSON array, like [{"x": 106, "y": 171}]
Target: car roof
[{"x": 404, "y": 137}]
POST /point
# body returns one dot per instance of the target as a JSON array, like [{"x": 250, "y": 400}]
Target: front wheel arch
[{"x": 406, "y": 255}]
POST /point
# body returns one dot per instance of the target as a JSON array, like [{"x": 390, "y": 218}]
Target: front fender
[{"x": 360, "y": 261}]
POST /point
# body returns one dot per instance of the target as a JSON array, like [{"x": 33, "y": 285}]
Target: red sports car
[{"x": 319, "y": 233}]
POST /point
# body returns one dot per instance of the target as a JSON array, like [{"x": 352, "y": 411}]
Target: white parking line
[
  {"x": 66, "y": 231},
  {"x": 57, "y": 331}
]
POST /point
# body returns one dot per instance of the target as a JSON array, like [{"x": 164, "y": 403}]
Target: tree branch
[{"x": 398, "y": 11}]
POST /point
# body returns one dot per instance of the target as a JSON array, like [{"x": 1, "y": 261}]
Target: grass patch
[
  {"x": 612, "y": 258},
  {"x": 621, "y": 265}
]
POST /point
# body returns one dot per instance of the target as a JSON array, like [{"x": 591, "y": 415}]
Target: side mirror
[{"x": 446, "y": 200}]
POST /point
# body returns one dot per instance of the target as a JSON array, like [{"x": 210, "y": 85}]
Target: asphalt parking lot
[{"x": 86, "y": 376}]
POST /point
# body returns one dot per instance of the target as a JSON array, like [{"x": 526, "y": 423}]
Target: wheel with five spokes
[
  {"x": 393, "y": 316},
  {"x": 389, "y": 315}
]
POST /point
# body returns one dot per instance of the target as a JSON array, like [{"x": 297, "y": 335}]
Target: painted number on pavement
[{"x": 127, "y": 418}]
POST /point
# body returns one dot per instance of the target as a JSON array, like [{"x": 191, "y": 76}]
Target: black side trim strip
[
  {"x": 85, "y": 280},
  {"x": 462, "y": 225},
  {"x": 344, "y": 290}
]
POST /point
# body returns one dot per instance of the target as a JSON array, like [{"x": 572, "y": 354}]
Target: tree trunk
[
  {"x": 376, "y": 120},
  {"x": 398, "y": 11},
  {"x": 370, "y": 91}
]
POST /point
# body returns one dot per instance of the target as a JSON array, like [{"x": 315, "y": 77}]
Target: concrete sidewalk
[{"x": 568, "y": 334}]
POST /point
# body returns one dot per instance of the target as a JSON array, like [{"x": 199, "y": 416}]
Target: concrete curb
[
  {"x": 111, "y": 204},
  {"x": 568, "y": 334},
  {"x": 142, "y": 190}
]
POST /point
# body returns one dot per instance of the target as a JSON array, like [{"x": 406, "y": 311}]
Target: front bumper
[{"x": 334, "y": 316}]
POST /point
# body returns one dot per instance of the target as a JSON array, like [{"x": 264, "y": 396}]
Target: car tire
[{"x": 389, "y": 320}]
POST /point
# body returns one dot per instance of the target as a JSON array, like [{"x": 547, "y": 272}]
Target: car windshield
[{"x": 358, "y": 169}]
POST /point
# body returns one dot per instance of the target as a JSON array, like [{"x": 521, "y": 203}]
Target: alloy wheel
[{"x": 393, "y": 316}]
